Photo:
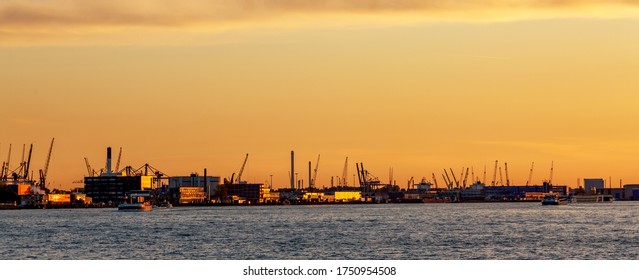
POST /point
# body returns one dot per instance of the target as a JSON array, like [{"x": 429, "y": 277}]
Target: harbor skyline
[{"x": 413, "y": 86}]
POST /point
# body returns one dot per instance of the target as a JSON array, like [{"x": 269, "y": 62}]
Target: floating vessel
[
  {"x": 592, "y": 198},
  {"x": 138, "y": 201},
  {"x": 554, "y": 200}
]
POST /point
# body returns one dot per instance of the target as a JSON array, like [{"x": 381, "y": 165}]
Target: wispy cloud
[{"x": 24, "y": 19}]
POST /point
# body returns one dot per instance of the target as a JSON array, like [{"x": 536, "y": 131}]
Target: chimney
[
  {"x": 292, "y": 170},
  {"x": 108, "y": 164},
  {"x": 206, "y": 187}
]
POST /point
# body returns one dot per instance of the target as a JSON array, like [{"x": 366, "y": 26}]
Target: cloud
[{"x": 38, "y": 19}]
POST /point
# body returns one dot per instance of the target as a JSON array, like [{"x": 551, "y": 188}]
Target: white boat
[{"x": 138, "y": 201}]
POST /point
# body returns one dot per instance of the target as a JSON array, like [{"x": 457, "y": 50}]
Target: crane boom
[
  {"x": 89, "y": 170},
  {"x": 345, "y": 173},
  {"x": 117, "y": 165},
  {"x": 506, "y": 169},
  {"x": 552, "y": 166},
  {"x": 501, "y": 178},
  {"x": 26, "y": 172},
  {"x": 313, "y": 182},
  {"x": 454, "y": 178},
  {"x": 466, "y": 177},
  {"x": 449, "y": 183},
  {"x": 239, "y": 174},
  {"x": 46, "y": 166},
  {"x": 495, "y": 175},
  {"x": 530, "y": 175},
  {"x": 435, "y": 181},
  {"x": 5, "y": 171}
]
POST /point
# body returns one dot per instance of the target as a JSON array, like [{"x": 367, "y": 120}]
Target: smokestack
[
  {"x": 309, "y": 176},
  {"x": 292, "y": 169},
  {"x": 206, "y": 187},
  {"x": 108, "y": 165}
]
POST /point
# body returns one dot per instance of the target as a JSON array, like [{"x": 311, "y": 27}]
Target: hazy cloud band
[{"x": 18, "y": 18}]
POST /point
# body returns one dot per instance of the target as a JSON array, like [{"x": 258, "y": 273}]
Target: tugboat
[
  {"x": 138, "y": 201},
  {"x": 550, "y": 199}
]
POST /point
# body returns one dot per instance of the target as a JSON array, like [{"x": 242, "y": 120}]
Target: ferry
[
  {"x": 592, "y": 198},
  {"x": 138, "y": 201},
  {"x": 554, "y": 200}
]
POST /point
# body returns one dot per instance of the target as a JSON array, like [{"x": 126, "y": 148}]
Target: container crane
[
  {"x": 90, "y": 171},
  {"x": 501, "y": 179},
  {"x": 449, "y": 183},
  {"x": 552, "y": 163},
  {"x": 239, "y": 174},
  {"x": 117, "y": 165},
  {"x": 454, "y": 178},
  {"x": 495, "y": 175},
  {"x": 506, "y": 169},
  {"x": 435, "y": 181},
  {"x": 466, "y": 177},
  {"x": 43, "y": 173},
  {"x": 5, "y": 166},
  {"x": 313, "y": 182},
  {"x": 530, "y": 175},
  {"x": 345, "y": 173},
  {"x": 28, "y": 163}
]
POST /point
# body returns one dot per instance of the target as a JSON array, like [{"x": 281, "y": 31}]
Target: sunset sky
[{"x": 415, "y": 85}]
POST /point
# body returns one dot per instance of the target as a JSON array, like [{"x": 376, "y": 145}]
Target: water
[{"x": 382, "y": 231}]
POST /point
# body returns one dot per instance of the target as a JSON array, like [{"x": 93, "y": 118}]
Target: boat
[
  {"x": 554, "y": 200},
  {"x": 138, "y": 201},
  {"x": 592, "y": 198}
]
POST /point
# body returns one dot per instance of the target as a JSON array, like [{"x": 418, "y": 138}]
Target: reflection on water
[{"x": 382, "y": 231}]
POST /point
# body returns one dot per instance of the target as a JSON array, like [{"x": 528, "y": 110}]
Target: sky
[{"x": 417, "y": 86}]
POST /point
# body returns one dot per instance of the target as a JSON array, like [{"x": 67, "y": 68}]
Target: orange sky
[{"x": 403, "y": 84}]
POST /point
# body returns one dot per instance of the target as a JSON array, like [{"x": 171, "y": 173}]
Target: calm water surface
[{"x": 382, "y": 231}]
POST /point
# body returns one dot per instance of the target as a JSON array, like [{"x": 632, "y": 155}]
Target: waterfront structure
[
  {"x": 594, "y": 185},
  {"x": 188, "y": 195},
  {"x": 210, "y": 184},
  {"x": 631, "y": 191},
  {"x": 247, "y": 193},
  {"x": 113, "y": 187}
]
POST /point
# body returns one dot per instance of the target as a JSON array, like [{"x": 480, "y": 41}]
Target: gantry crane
[
  {"x": 313, "y": 181},
  {"x": 495, "y": 175},
  {"x": 530, "y": 175},
  {"x": 90, "y": 171},
  {"x": 239, "y": 174},
  {"x": 552, "y": 163},
  {"x": 43, "y": 173},
  {"x": 506, "y": 169},
  {"x": 117, "y": 165}
]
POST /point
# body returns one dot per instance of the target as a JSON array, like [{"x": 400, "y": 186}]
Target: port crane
[
  {"x": 117, "y": 165},
  {"x": 90, "y": 170},
  {"x": 506, "y": 169},
  {"x": 466, "y": 177},
  {"x": 313, "y": 182},
  {"x": 239, "y": 174},
  {"x": 5, "y": 166},
  {"x": 345, "y": 173},
  {"x": 495, "y": 175},
  {"x": 454, "y": 178},
  {"x": 530, "y": 175},
  {"x": 43, "y": 173},
  {"x": 449, "y": 183},
  {"x": 435, "y": 181},
  {"x": 552, "y": 165}
]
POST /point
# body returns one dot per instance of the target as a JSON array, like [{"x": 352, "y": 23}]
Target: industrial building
[
  {"x": 594, "y": 185},
  {"x": 193, "y": 189},
  {"x": 112, "y": 187}
]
